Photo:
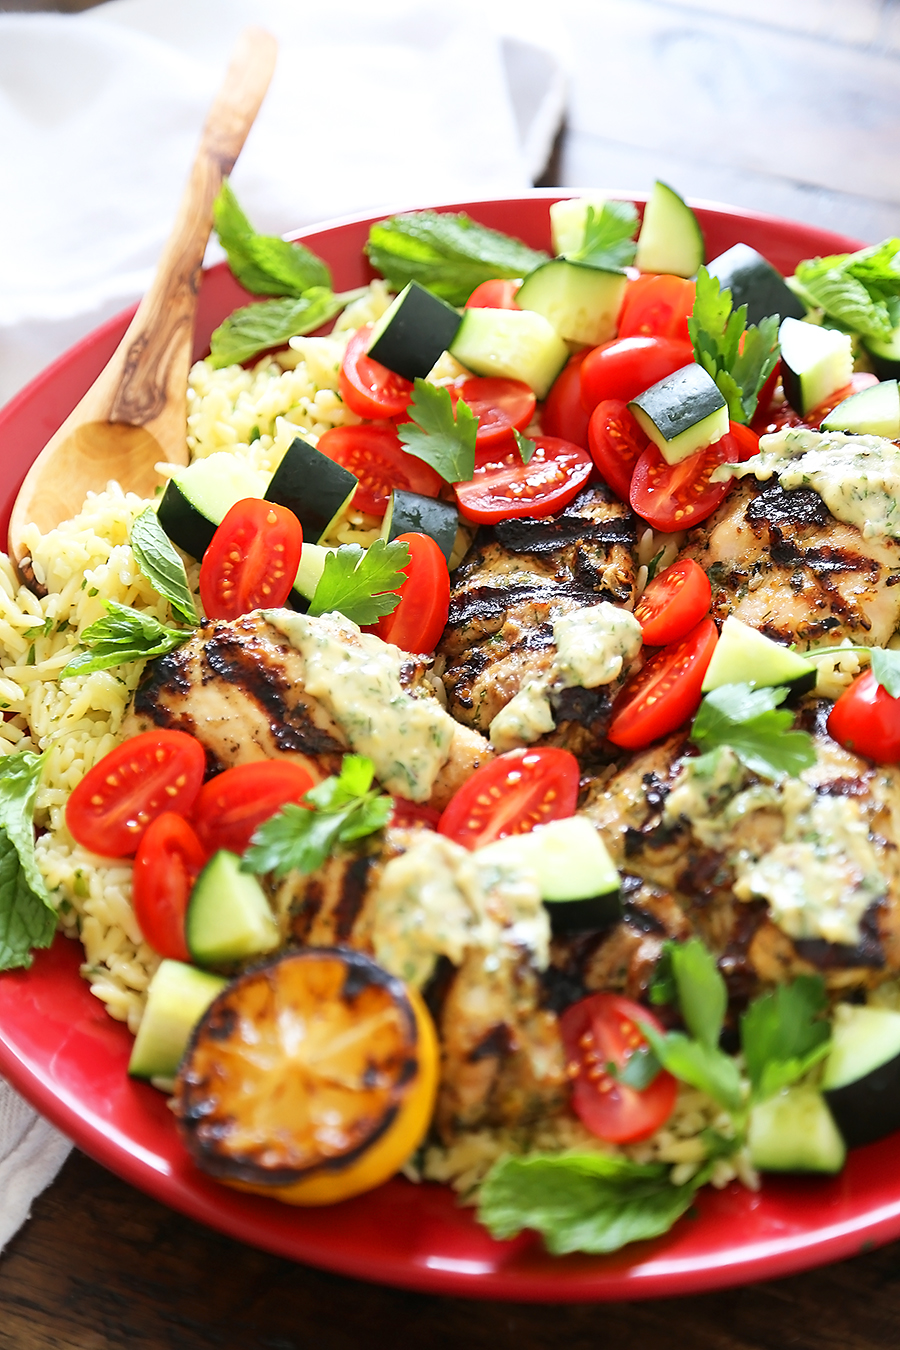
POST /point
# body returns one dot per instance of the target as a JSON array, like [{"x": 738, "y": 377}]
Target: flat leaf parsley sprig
[{"x": 739, "y": 358}]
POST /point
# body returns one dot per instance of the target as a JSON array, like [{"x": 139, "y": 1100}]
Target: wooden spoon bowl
[{"x": 135, "y": 413}]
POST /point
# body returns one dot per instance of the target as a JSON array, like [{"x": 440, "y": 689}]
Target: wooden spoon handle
[{"x": 156, "y": 348}]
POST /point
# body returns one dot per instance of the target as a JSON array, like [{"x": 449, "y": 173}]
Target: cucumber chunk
[
  {"x": 177, "y": 997},
  {"x": 683, "y": 413},
  {"x": 314, "y": 487},
  {"x": 519, "y": 344},
  {"x": 861, "y": 1079},
  {"x": 309, "y": 574},
  {"x": 754, "y": 282},
  {"x": 874, "y": 412},
  {"x": 582, "y": 303},
  {"x": 670, "y": 239},
  {"x": 795, "y": 1132},
  {"x": 568, "y": 219},
  {"x": 884, "y": 354},
  {"x": 411, "y": 513},
  {"x": 198, "y": 498},
  {"x": 815, "y": 363},
  {"x": 413, "y": 332},
  {"x": 228, "y": 915},
  {"x": 745, "y": 656},
  {"x": 578, "y": 880}
]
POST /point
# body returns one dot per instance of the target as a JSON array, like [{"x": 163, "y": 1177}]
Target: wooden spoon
[{"x": 134, "y": 414}]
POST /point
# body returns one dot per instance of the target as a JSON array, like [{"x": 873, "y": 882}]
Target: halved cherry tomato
[
  {"x": 376, "y": 455},
  {"x": 666, "y": 692},
  {"x": 626, "y": 367},
  {"x": 421, "y": 616},
  {"x": 408, "y": 815},
  {"x": 657, "y": 306},
  {"x": 499, "y": 404},
  {"x": 599, "y": 1031},
  {"x": 511, "y": 794},
  {"x": 112, "y": 806},
  {"x": 673, "y": 603},
  {"x": 232, "y": 805},
  {"x": 866, "y": 720},
  {"x": 616, "y": 443},
  {"x": 503, "y": 486},
  {"x": 676, "y": 496},
  {"x": 169, "y": 859},
  {"x": 786, "y": 416},
  {"x": 562, "y": 414},
  {"x": 764, "y": 400},
  {"x": 252, "y": 560},
  {"x": 494, "y": 294},
  {"x": 367, "y": 387}
]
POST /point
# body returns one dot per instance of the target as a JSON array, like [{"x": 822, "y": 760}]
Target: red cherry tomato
[
  {"x": 232, "y": 805},
  {"x": 252, "y": 560},
  {"x": 169, "y": 859},
  {"x": 616, "y": 443},
  {"x": 600, "y": 1030},
  {"x": 764, "y": 400},
  {"x": 511, "y": 794},
  {"x": 562, "y": 414},
  {"x": 503, "y": 486},
  {"x": 412, "y": 815},
  {"x": 657, "y": 306},
  {"x": 421, "y": 616},
  {"x": 112, "y": 806},
  {"x": 627, "y": 366},
  {"x": 494, "y": 294},
  {"x": 376, "y": 455},
  {"x": 499, "y": 404},
  {"x": 673, "y": 603},
  {"x": 866, "y": 720},
  {"x": 666, "y": 692},
  {"x": 367, "y": 387},
  {"x": 676, "y": 496},
  {"x": 745, "y": 441}
]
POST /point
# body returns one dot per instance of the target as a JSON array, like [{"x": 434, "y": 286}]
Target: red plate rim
[{"x": 62, "y": 1052}]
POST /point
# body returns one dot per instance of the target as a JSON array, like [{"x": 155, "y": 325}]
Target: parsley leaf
[
  {"x": 156, "y": 556},
  {"x": 609, "y": 242},
  {"x": 362, "y": 583},
  {"x": 582, "y": 1202},
  {"x": 447, "y": 252},
  {"x": 339, "y": 810},
  {"x": 443, "y": 439},
  {"x": 271, "y": 323},
  {"x": 526, "y": 447},
  {"x": 705, "y": 1067},
  {"x": 702, "y": 995},
  {"x": 886, "y": 669},
  {"x": 264, "y": 263},
  {"x": 783, "y": 1034},
  {"x": 716, "y": 330},
  {"x": 27, "y": 916},
  {"x": 860, "y": 291},
  {"x": 745, "y": 719},
  {"x": 123, "y": 634}
]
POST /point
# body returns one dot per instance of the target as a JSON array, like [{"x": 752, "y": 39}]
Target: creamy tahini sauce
[
  {"x": 857, "y": 477},
  {"x": 356, "y": 677}
]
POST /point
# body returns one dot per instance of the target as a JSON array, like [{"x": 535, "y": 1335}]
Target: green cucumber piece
[
  {"x": 873, "y": 412},
  {"x": 815, "y": 363},
  {"x": 314, "y": 487},
  {"x": 884, "y": 354},
  {"x": 754, "y": 282},
  {"x": 670, "y": 239},
  {"x": 683, "y": 413},
  {"x": 795, "y": 1132},
  {"x": 411, "y": 513},
  {"x": 578, "y": 880},
  {"x": 228, "y": 916},
  {"x": 198, "y": 498},
  {"x": 519, "y": 344},
  {"x": 413, "y": 332},
  {"x": 309, "y": 574},
  {"x": 743, "y": 655},
  {"x": 568, "y": 219},
  {"x": 177, "y": 997},
  {"x": 582, "y": 303},
  {"x": 861, "y": 1079}
]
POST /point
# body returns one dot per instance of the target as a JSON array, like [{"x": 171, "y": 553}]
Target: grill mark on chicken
[
  {"x": 352, "y": 896},
  {"x": 549, "y": 535}
]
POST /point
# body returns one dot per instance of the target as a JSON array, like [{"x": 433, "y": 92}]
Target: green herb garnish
[
  {"x": 526, "y": 447},
  {"x": 744, "y": 718},
  {"x": 443, "y": 438},
  {"x": 157, "y": 558},
  {"x": 27, "y": 916},
  {"x": 361, "y": 583},
  {"x": 860, "y": 291},
  {"x": 784, "y": 1033},
  {"x": 740, "y": 369},
  {"x": 609, "y": 242},
  {"x": 122, "y": 634}
]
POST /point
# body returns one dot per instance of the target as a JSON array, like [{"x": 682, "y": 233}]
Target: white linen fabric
[{"x": 372, "y": 106}]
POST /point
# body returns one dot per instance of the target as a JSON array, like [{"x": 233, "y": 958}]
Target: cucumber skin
[
  {"x": 413, "y": 333},
  {"x": 183, "y": 523},
  {"x": 159, "y": 1049},
  {"x": 754, "y": 282},
  {"x": 663, "y": 247},
  {"x": 313, "y": 486}
]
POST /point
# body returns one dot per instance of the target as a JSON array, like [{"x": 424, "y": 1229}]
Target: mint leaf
[
  {"x": 27, "y": 916},
  {"x": 784, "y": 1033},
  {"x": 362, "y": 583},
  {"x": 271, "y": 323},
  {"x": 338, "y": 810},
  {"x": 859, "y": 290},
  {"x": 641, "y": 1067},
  {"x": 716, "y": 330},
  {"x": 745, "y": 719},
  {"x": 123, "y": 634},
  {"x": 702, "y": 995},
  {"x": 447, "y": 252},
  {"x": 264, "y": 263},
  {"x": 156, "y": 556},
  {"x": 526, "y": 447},
  {"x": 444, "y": 440},
  {"x": 581, "y": 1202},
  {"x": 609, "y": 242},
  {"x": 886, "y": 669},
  {"x": 702, "y": 1066}
]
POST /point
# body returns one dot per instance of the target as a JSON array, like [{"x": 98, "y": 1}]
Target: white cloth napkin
[{"x": 371, "y": 106}]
